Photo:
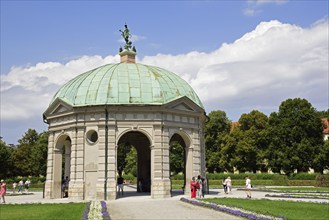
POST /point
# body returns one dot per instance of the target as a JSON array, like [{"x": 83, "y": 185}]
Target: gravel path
[{"x": 146, "y": 208}]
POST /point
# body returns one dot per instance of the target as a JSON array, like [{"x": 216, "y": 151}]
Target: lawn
[
  {"x": 42, "y": 211},
  {"x": 289, "y": 209}
]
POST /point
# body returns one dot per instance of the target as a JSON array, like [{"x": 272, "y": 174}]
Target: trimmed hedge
[
  {"x": 322, "y": 181},
  {"x": 257, "y": 183},
  {"x": 277, "y": 178},
  {"x": 33, "y": 179},
  {"x": 264, "y": 179}
]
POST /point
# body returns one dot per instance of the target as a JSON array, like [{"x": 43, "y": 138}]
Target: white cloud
[
  {"x": 251, "y": 11},
  {"x": 264, "y": 67},
  {"x": 278, "y": 2},
  {"x": 28, "y": 90},
  {"x": 253, "y": 6}
]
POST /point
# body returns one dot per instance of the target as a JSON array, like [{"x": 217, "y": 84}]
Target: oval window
[{"x": 92, "y": 136}]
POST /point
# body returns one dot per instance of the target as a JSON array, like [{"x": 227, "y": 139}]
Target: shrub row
[
  {"x": 258, "y": 176},
  {"x": 241, "y": 183},
  {"x": 33, "y": 179}
]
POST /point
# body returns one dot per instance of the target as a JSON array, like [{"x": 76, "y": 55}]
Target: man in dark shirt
[{"x": 120, "y": 182}]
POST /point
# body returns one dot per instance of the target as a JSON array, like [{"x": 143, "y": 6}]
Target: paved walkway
[
  {"x": 140, "y": 206},
  {"x": 137, "y": 206}
]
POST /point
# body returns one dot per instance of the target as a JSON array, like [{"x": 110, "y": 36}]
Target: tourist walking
[
  {"x": 20, "y": 184},
  {"x": 3, "y": 190},
  {"x": 224, "y": 185},
  {"x": 65, "y": 187},
  {"x": 14, "y": 187},
  {"x": 248, "y": 187},
  {"x": 27, "y": 185},
  {"x": 200, "y": 191},
  {"x": 228, "y": 184},
  {"x": 120, "y": 182},
  {"x": 194, "y": 185}
]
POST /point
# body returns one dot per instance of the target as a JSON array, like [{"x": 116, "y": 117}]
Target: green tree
[
  {"x": 228, "y": 150},
  {"x": 131, "y": 162},
  {"x": 21, "y": 156},
  {"x": 39, "y": 155},
  {"x": 245, "y": 146},
  {"x": 321, "y": 160},
  {"x": 323, "y": 114},
  {"x": 5, "y": 161},
  {"x": 123, "y": 150},
  {"x": 216, "y": 127},
  {"x": 29, "y": 138},
  {"x": 296, "y": 137},
  {"x": 176, "y": 158}
]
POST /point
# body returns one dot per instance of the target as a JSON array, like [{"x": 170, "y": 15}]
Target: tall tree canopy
[
  {"x": 131, "y": 162},
  {"x": 30, "y": 156},
  {"x": 176, "y": 158},
  {"x": 5, "y": 161},
  {"x": 252, "y": 142},
  {"x": 216, "y": 127},
  {"x": 244, "y": 147},
  {"x": 296, "y": 136},
  {"x": 39, "y": 155}
]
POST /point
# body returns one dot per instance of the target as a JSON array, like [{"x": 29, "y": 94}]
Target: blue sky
[
  {"x": 40, "y": 31},
  {"x": 40, "y": 38}
]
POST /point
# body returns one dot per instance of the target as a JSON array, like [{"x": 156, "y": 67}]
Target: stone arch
[
  {"x": 141, "y": 141},
  {"x": 61, "y": 163},
  {"x": 185, "y": 136},
  {"x": 185, "y": 141},
  {"x": 135, "y": 130}
]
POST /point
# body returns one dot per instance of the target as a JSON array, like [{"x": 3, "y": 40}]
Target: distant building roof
[
  {"x": 326, "y": 124},
  {"x": 234, "y": 125}
]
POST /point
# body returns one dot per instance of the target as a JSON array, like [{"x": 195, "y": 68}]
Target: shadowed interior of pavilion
[{"x": 139, "y": 141}]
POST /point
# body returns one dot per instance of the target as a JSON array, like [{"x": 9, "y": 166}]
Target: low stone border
[{"x": 231, "y": 210}]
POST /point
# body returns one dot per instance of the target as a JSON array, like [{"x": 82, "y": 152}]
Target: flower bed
[
  {"x": 231, "y": 210},
  {"x": 96, "y": 210}
]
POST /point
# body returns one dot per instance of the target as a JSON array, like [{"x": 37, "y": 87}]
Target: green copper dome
[{"x": 125, "y": 84}]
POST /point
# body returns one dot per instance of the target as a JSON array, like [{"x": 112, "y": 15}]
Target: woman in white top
[
  {"x": 248, "y": 187},
  {"x": 228, "y": 185}
]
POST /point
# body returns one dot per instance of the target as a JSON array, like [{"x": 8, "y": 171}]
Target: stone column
[
  {"x": 189, "y": 169},
  {"x": 76, "y": 186},
  {"x": 49, "y": 185},
  {"x": 160, "y": 165},
  {"x": 196, "y": 153},
  {"x": 111, "y": 165}
]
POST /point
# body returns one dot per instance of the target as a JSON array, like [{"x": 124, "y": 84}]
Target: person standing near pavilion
[
  {"x": 194, "y": 185},
  {"x": 3, "y": 190},
  {"x": 14, "y": 187},
  {"x": 228, "y": 183},
  {"x": 248, "y": 187},
  {"x": 20, "y": 186},
  {"x": 27, "y": 185},
  {"x": 200, "y": 192},
  {"x": 120, "y": 183},
  {"x": 224, "y": 185}
]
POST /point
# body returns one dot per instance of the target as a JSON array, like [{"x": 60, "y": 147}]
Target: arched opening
[
  {"x": 62, "y": 167},
  {"x": 134, "y": 158},
  {"x": 178, "y": 159}
]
